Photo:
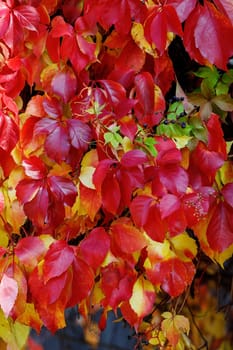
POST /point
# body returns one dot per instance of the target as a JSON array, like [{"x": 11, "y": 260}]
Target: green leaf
[
  {"x": 207, "y": 89},
  {"x": 198, "y": 129},
  {"x": 208, "y": 73},
  {"x": 150, "y": 143},
  {"x": 113, "y": 137},
  {"x": 173, "y": 130},
  {"x": 227, "y": 77},
  {"x": 222, "y": 88}
]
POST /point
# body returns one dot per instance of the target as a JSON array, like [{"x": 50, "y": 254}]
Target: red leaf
[
  {"x": 155, "y": 227},
  {"x": 139, "y": 209},
  {"x": 83, "y": 281},
  {"x": 57, "y": 144},
  {"x": 173, "y": 275},
  {"x": 9, "y": 132},
  {"x": 183, "y": 7},
  {"x": 161, "y": 20},
  {"x": 20, "y": 19},
  {"x": 117, "y": 283},
  {"x": 174, "y": 178},
  {"x": 207, "y": 161},
  {"x": 227, "y": 192},
  {"x": 30, "y": 251},
  {"x": 168, "y": 205},
  {"x": 117, "y": 97},
  {"x": 54, "y": 288},
  {"x": 27, "y": 16},
  {"x": 7, "y": 162},
  {"x": 60, "y": 27},
  {"x": 79, "y": 133},
  {"x": 33, "y": 345},
  {"x": 168, "y": 154},
  {"x": 52, "y": 106},
  {"x": 111, "y": 194},
  {"x": 34, "y": 168},
  {"x": 145, "y": 92},
  {"x": 207, "y": 25},
  {"x": 37, "y": 208},
  {"x": 133, "y": 158},
  {"x": 164, "y": 73},
  {"x": 216, "y": 140},
  {"x": 128, "y": 127},
  {"x": 220, "y": 229},
  {"x": 57, "y": 260},
  {"x": 62, "y": 189},
  {"x": 64, "y": 84},
  {"x": 126, "y": 237},
  {"x": 80, "y": 51},
  {"x": 95, "y": 247},
  {"x": 27, "y": 189},
  {"x": 225, "y": 6}
]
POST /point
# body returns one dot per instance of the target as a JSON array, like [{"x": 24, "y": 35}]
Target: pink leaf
[
  {"x": 133, "y": 158},
  {"x": 79, "y": 133},
  {"x": 227, "y": 193},
  {"x": 168, "y": 205},
  {"x": 8, "y": 294},
  {"x": 64, "y": 84}
]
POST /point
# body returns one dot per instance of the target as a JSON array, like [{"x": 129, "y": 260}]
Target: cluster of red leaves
[{"x": 94, "y": 204}]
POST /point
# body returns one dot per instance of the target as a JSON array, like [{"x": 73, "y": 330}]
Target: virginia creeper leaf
[
  {"x": 8, "y": 294},
  {"x": 57, "y": 260},
  {"x": 95, "y": 246}
]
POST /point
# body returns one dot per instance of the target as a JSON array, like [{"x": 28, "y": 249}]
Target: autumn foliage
[{"x": 116, "y": 176}]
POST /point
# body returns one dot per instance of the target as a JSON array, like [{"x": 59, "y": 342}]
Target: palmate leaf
[
  {"x": 173, "y": 326},
  {"x": 43, "y": 197},
  {"x": 117, "y": 283},
  {"x": 172, "y": 275},
  {"x": 17, "y": 19}
]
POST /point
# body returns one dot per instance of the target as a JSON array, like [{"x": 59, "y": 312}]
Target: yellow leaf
[
  {"x": 223, "y": 256},
  {"x": 20, "y": 334},
  {"x": 4, "y": 239},
  {"x": 173, "y": 327},
  {"x": 86, "y": 176},
  {"x": 182, "y": 141},
  {"x": 30, "y": 317},
  {"x": 157, "y": 251},
  {"x": 137, "y": 33},
  {"x": 14, "y": 334},
  {"x": 185, "y": 247},
  {"x": 143, "y": 297},
  {"x": 226, "y": 172},
  {"x": 62, "y": 169},
  {"x": 88, "y": 166}
]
